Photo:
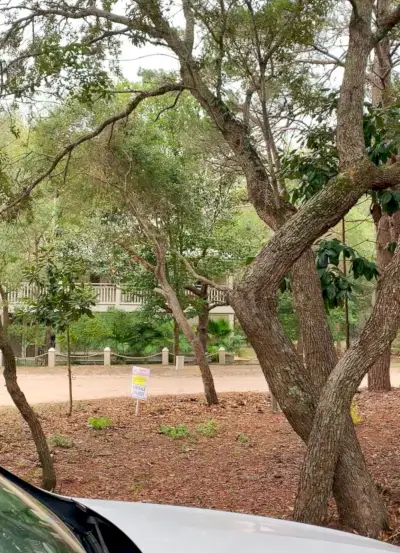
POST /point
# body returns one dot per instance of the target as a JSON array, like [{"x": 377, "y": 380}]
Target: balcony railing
[{"x": 106, "y": 295}]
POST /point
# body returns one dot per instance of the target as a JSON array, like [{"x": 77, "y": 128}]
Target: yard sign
[{"x": 140, "y": 380}]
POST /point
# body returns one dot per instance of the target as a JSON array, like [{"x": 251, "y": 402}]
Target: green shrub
[
  {"x": 99, "y": 423},
  {"x": 208, "y": 428},
  {"x": 221, "y": 334},
  {"x": 61, "y": 441},
  {"x": 174, "y": 432},
  {"x": 242, "y": 438}
]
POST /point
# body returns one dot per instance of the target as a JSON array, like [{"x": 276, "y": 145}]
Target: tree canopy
[{"x": 252, "y": 114}]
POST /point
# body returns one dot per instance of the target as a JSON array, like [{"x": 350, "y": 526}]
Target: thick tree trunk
[
  {"x": 6, "y": 319},
  {"x": 279, "y": 361},
  {"x": 6, "y": 314},
  {"x": 29, "y": 415},
  {"x": 359, "y": 502},
  {"x": 379, "y": 374},
  {"x": 69, "y": 372},
  {"x": 176, "y": 340},
  {"x": 325, "y": 440},
  {"x": 202, "y": 327},
  {"x": 300, "y": 349},
  {"x": 318, "y": 346},
  {"x": 355, "y": 492}
]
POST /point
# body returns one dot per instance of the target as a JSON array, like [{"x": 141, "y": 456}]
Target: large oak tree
[{"x": 255, "y": 43}]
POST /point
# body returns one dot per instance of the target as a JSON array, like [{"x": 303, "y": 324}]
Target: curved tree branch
[
  {"x": 67, "y": 150},
  {"x": 221, "y": 287},
  {"x": 386, "y": 26}
]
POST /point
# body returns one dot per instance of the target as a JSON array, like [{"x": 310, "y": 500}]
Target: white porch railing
[
  {"x": 26, "y": 291},
  {"x": 107, "y": 295}
]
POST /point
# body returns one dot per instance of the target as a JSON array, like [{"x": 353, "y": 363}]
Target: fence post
[
  {"x": 180, "y": 362},
  {"x": 221, "y": 356},
  {"x": 51, "y": 358},
  {"x": 118, "y": 296},
  {"x": 274, "y": 404},
  {"x": 165, "y": 356},
  {"x": 107, "y": 357}
]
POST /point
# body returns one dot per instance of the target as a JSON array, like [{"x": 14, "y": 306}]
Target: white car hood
[{"x": 167, "y": 529}]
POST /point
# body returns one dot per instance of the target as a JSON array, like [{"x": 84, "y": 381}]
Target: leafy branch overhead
[{"x": 311, "y": 166}]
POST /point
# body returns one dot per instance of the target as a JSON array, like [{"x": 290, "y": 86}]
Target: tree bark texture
[
  {"x": 6, "y": 314},
  {"x": 176, "y": 340},
  {"x": 203, "y": 318},
  {"x": 354, "y": 490},
  {"x": 179, "y": 316},
  {"x": 202, "y": 327},
  {"x": 200, "y": 354},
  {"x": 332, "y": 412},
  {"x": 379, "y": 374},
  {"x": 28, "y": 414},
  {"x": 69, "y": 373}
]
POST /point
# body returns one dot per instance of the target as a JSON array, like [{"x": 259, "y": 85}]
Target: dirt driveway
[{"x": 42, "y": 385}]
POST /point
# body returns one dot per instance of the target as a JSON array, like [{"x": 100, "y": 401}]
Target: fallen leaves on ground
[{"x": 248, "y": 462}]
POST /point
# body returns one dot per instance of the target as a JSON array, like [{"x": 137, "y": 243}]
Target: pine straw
[{"x": 250, "y": 465}]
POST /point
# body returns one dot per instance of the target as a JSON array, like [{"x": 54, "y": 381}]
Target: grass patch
[
  {"x": 208, "y": 428},
  {"x": 174, "y": 432},
  {"x": 61, "y": 441}
]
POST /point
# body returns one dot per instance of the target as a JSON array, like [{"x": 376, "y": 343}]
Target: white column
[
  {"x": 180, "y": 362},
  {"x": 118, "y": 296},
  {"x": 231, "y": 320},
  {"x": 51, "y": 354},
  {"x": 107, "y": 357},
  {"x": 275, "y": 405},
  {"x": 165, "y": 356},
  {"x": 221, "y": 356}
]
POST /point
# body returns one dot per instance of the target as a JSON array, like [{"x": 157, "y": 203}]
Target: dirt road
[{"x": 42, "y": 385}]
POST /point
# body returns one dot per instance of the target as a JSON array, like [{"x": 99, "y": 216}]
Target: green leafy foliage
[
  {"x": 99, "y": 423},
  {"x": 220, "y": 334},
  {"x": 330, "y": 251},
  {"x": 312, "y": 167},
  {"x": 174, "y": 432},
  {"x": 381, "y": 126},
  {"x": 62, "y": 297},
  {"x": 336, "y": 286},
  {"x": 208, "y": 428},
  {"x": 389, "y": 200}
]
